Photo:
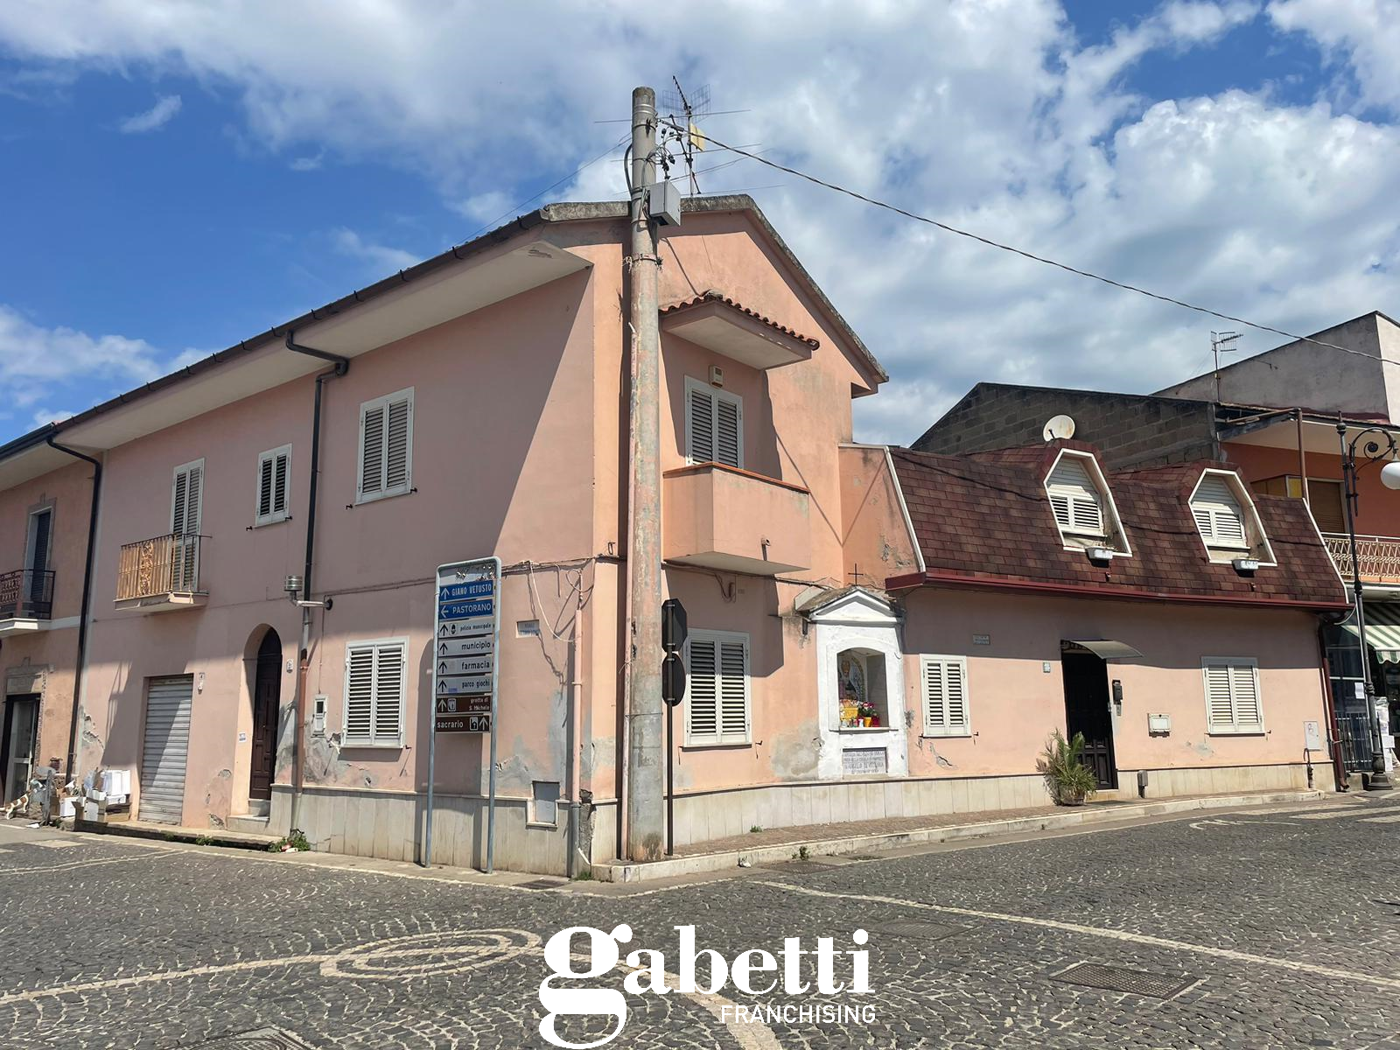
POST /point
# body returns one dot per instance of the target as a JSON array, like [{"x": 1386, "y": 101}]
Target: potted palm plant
[{"x": 1068, "y": 779}]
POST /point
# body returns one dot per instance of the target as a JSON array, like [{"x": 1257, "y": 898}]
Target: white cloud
[
  {"x": 307, "y": 163},
  {"x": 989, "y": 114},
  {"x": 381, "y": 258},
  {"x": 38, "y": 363},
  {"x": 153, "y": 119}
]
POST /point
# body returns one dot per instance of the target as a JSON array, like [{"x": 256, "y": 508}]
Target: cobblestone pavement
[{"x": 1248, "y": 929}]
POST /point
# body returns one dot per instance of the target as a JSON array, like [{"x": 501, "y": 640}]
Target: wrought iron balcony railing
[
  {"x": 1377, "y": 556},
  {"x": 26, "y": 595},
  {"x": 160, "y": 566}
]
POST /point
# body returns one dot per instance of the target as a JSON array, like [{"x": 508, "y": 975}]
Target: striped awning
[{"x": 1382, "y": 630}]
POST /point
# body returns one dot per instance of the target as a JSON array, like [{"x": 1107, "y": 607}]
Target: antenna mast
[{"x": 1219, "y": 344}]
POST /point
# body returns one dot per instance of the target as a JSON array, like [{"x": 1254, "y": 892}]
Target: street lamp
[{"x": 1390, "y": 478}]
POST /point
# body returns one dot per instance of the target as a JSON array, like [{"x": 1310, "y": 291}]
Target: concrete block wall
[{"x": 1131, "y": 430}]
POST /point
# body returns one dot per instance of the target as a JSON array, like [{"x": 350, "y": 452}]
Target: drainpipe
[
  {"x": 574, "y": 734},
  {"x": 342, "y": 365},
  {"x": 83, "y": 612}
]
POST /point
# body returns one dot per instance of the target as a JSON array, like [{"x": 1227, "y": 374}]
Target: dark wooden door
[
  {"x": 1087, "y": 711},
  {"x": 267, "y": 693}
]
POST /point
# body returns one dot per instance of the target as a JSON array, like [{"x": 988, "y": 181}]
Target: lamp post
[{"x": 1373, "y": 450}]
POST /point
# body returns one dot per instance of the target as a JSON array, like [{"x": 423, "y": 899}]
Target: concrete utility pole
[{"x": 645, "y": 794}]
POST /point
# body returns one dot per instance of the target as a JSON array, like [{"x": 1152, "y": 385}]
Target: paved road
[{"x": 1249, "y": 929}]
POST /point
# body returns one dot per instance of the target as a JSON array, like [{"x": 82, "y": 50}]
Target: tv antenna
[
  {"x": 687, "y": 109},
  {"x": 1220, "y": 344}
]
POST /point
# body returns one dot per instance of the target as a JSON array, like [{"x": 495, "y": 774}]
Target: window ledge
[
  {"x": 868, "y": 729},
  {"x": 541, "y": 825},
  {"x": 272, "y": 521},
  {"x": 1224, "y": 731},
  {"x": 355, "y": 746},
  {"x": 961, "y": 734},
  {"x": 377, "y": 496},
  {"x": 712, "y": 745}
]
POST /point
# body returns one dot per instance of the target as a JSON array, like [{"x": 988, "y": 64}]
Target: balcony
[
  {"x": 729, "y": 519},
  {"x": 1377, "y": 556},
  {"x": 26, "y": 601},
  {"x": 160, "y": 575}
]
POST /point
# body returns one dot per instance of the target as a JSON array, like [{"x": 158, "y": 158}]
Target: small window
[
  {"x": 386, "y": 446},
  {"x": 1218, "y": 514},
  {"x": 1075, "y": 499},
  {"x": 1232, "y": 695},
  {"x": 274, "y": 480},
  {"x": 714, "y": 425},
  {"x": 375, "y": 685},
  {"x": 545, "y": 802},
  {"x": 860, "y": 689},
  {"x": 945, "y": 695},
  {"x": 717, "y": 689}
]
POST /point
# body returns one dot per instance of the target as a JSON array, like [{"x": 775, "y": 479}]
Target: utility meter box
[{"x": 664, "y": 203}]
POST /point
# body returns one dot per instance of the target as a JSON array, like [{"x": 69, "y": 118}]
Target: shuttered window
[
  {"x": 274, "y": 478},
  {"x": 1075, "y": 498},
  {"x": 717, "y": 707},
  {"x": 375, "y": 685},
  {"x": 386, "y": 446},
  {"x": 1232, "y": 695},
  {"x": 186, "y": 511},
  {"x": 1218, "y": 514},
  {"x": 714, "y": 425},
  {"x": 944, "y": 680}
]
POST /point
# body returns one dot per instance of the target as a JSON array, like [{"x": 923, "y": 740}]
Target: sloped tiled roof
[
  {"x": 985, "y": 519},
  {"x": 719, "y": 297}
]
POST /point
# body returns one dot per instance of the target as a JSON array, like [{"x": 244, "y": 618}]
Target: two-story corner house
[
  {"x": 45, "y": 514},
  {"x": 1167, "y": 614},
  {"x": 474, "y": 405}
]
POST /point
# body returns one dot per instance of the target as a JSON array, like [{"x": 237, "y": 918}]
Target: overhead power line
[{"x": 1044, "y": 260}]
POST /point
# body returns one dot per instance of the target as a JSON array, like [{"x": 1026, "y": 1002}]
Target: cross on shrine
[{"x": 855, "y": 574}]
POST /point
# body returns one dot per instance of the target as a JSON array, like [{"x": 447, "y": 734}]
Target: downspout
[
  {"x": 83, "y": 613},
  {"x": 574, "y": 732},
  {"x": 342, "y": 365}
]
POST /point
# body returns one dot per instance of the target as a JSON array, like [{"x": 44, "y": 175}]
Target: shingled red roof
[{"x": 985, "y": 520}]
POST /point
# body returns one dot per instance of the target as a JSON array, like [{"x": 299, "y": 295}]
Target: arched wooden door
[{"x": 267, "y": 694}]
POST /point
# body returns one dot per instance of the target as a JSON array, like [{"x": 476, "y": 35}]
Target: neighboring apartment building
[
  {"x": 1166, "y": 614},
  {"x": 481, "y": 410},
  {"x": 1278, "y": 425},
  {"x": 45, "y": 507}
]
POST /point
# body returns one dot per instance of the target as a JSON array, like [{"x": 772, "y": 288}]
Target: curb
[
  {"x": 203, "y": 837},
  {"x": 711, "y": 862}
]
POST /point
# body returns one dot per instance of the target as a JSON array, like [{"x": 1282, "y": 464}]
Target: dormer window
[
  {"x": 1218, "y": 514},
  {"x": 1227, "y": 520},
  {"x": 1075, "y": 499}
]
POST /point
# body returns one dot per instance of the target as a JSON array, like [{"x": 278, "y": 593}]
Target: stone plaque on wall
[{"x": 863, "y": 761}]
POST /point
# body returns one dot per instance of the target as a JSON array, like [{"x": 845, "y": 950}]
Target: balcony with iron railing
[
  {"x": 1378, "y": 557},
  {"x": 160, "y": 574},
  {"x": 26, "y": 600}
]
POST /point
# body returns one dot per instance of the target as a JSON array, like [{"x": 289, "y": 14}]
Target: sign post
[
  {"x": 673, "y": 635},
  {"x": 466, "y": 671}
]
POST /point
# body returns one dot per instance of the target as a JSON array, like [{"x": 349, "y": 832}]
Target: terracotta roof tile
[{"x": 712, "y": 296}]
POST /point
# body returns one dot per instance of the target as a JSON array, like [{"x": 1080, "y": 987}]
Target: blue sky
[{"x": 181, "y": 175}]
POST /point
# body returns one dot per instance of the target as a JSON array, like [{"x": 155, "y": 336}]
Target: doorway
[
  {"x": 20, "y": 738},
  {"x": 1087, "y": 711},
  {"x": 267, "y": 696}
]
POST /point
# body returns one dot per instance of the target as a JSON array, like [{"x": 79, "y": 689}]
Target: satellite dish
[{"x": 1058, "y": 427}]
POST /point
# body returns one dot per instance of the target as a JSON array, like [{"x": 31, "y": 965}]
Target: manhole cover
[
  {"x": 1122, "y": 979},
  {"x": 923, "y": 931},
  {"x": 541, "y": 884},
  {"x": 261, "y": 1039}
]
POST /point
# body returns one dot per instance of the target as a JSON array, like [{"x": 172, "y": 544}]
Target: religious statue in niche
[{"x": 857, "y": 711}]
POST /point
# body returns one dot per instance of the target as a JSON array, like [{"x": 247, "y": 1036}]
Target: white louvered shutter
[
  {"x": 700, "y": 433},
  {"x": 265, "y": 467},
  {"x": 1233, "y": 703},
  {"x": 388, "y": 694},
  {"x": 372, "y": 450},
  {"x": 945, "y": 697},
  {"x": 1218, "y": 514},
  {"x": 359, "y": 695},
  {"x": 1075, "y": 499},
  {"x": 727, "y": 442},
  {"x": 733, "y": 689},
  {"x": 702, "y": 692}
]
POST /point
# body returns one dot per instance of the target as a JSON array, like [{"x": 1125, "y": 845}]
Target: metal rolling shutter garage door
[{"x": 166, "y": 748}]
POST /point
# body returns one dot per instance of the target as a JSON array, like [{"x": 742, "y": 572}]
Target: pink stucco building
[{"x": 475, "y": 406}]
